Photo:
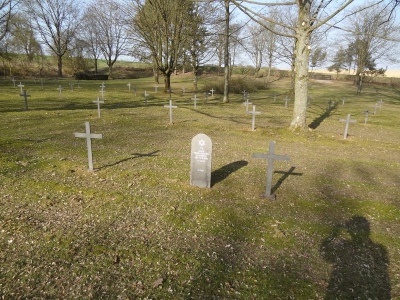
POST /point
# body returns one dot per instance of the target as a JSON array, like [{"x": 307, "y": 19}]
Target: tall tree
[
  {"x": 57, "y": 22},
  {"x": 110, "y": 22},
  {"x": 90, "y": 33},
  {"x": 310, "y": 16},
  {"x": 6, "y": 7},
  {"x": 371, "y": 37},
  {"x": 164, "y": 27}
]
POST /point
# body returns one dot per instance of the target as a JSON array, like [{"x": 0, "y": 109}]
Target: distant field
[{"x": 388, "y": 73}]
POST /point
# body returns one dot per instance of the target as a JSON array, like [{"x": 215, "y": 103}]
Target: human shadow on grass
[
  {"x": 327, "y": 113},
  {"x": 225, "y": 171},
  {"x": 283, "y": 178},
  {"x": 360, "y": 266},
  {"x": 134, "y": 155}
]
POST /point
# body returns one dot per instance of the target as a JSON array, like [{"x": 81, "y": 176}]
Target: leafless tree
[
  {"x": 310, "y": 16},
  {"x": 6, "y": 7},
  {"x": 56, "y": 21}
]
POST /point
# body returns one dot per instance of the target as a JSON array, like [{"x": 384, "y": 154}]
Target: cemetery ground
[{"x": 134, "y": 228}]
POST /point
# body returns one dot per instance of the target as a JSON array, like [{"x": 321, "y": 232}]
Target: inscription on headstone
[{"x": 200, "y": 161}]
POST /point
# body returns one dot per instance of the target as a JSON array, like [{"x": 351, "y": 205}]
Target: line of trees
[{"x": 179, "y": 33}]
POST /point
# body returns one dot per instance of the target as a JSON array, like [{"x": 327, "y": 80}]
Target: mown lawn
[{"x": 135, "y": 228}]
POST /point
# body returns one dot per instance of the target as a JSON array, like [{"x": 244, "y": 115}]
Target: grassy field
[{"x": 135, "y": 228}]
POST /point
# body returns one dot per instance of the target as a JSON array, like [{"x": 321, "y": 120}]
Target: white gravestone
[
  {"x": 88, "y": 136},
  {"x": 200, "y": 161}
]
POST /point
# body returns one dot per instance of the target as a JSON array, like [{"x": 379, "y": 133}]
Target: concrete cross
[
  {"x": 347, "y": 121},
  {"x": 71, "y": 84},
  {"x": 13, "y": 80},
  {"x": 246, "y": 102},
  {"x": 286, "y": 101},
  {"x": 156, "y": 88},
  {"x": 60, "y": 90},
  {"x": 380, "y": 103},
  {"x": 212, "y": 93},
  {"x": 98, "y": 105},
  {"x": 129, "y": 86},
  {"x": 366, "y": 116},
  {"x": 145, "y": 97},
  {"x": 271, "y": 157},
  {"x": 376, "y": 107},
  {"x": 89, "y": 136},
  {"x": 253, "y": 113},
  {"x": 195, "y": 101},
  {"x": 20, "y": 85},
  {"x": 170, "y": 106},
  {"x": 25, "y": 95}
]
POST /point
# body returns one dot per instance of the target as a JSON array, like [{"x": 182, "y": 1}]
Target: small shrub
[{"x": 237, "y": 85}]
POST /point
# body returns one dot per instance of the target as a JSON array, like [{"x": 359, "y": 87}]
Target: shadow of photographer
[{"x": 360, "y": 266}]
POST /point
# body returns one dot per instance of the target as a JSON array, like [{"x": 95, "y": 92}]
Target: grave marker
[
  {"x": 376, "y": 107},
  {"x": 102, "y": 94},
  {"x": 156, "y": 88},
  {"x": 366, "y": 116},
  {"x": 212, "y": 92},
  {"x": 170, "y": 106},
  {"x": 348, "y": 121},
  {"x": 98, "y": 106},
  {"x": 71, "y": 84},
  {"x": 244, "y": 94},
  {"x": 129, "y": 86},
  {"x": 89, "y": 136},
  {"x": 200, "y": 161},
  {"x": 60, "y": 90},
  {"x": 253, "y": 113},
  {"x": 286, "y": 101},
  {"x": 206, "y": 94},
  {"x": 343, "y": 100},
  {"x": 13, "y": 80},
  {"x": 195, "y": 100},
  {"x": 145, "y": 97},
  {"x": 246, "y": 102},
  {"x": 134, "y": 89},
  {"x": 271, "y": 156},
  {"x": 380, "y": 103},
  {"x": 20, "y": 86},
  {"x": 25, "y": 95},
  {"x": 183, "y": 90}
]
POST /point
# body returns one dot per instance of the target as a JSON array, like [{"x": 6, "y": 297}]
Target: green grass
[{"x": 136, "y": 229}]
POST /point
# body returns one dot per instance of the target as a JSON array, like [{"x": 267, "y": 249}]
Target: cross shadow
[
  {"x": 360, "y": 266},
  {"x": 225, "y": 171},
  {"x": 134, "y": 155},
  {"x": 317, "y": 121},
  {"x": 283, "y": 178}
]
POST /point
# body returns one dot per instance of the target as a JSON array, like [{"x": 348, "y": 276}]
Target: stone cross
[
  {"x": 170, "y": 106},
  {"x": 366, "y": 116},
  {"x": 156, "y": 88},
  {"x": 254, "y": 113},
  {"x": 98, "y": 106},
  {"x": 376, "y": 107},
  {"x": 71, "y": 84},
  {"x": 129, "y": 86},
  {"x": 195, "y": 101},
  {"x": 286, "y": 101},
  {"x": 347, "y": 121},
  {"x": 102, "y": 94},
  {"x": 134, "y": 89},
  {"x": 20, "y": 86},
  {"x": 60, "y": 90},
  {"x": 380, "y": 104},
  {"x": 13, "y": 80},
  {"x": 25, "y": 95},
  {"x": 102, "y": 86},
  {"x": 200, "y": 161},
  {"x": 212, "y": 93},
  {"x": 271, "y": 156},
  {"x": 89, "y": 136},
  {"x": 145, "y": 97},
  {"x": 244, "y": 94},
  {"x": 206, "y": 94},
  {"x": 246, "y": 102},
  {"x": 343, "y": 100}
]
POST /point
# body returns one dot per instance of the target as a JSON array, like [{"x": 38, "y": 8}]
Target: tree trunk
[
  {"x": 226, "y": 54},
  {"x": 302, "y": 53},
  {"x": 95, "y": 65},
  {"x": 60, "y": 66},
  {"x": 167, "y": 81}
]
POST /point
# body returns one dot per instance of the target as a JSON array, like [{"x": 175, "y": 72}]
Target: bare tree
[
  {"x": 110, "y": 22},
  {"x": 370, "y": 34},
  {"x": 310, "y": 16},
  {"x": 6, "y": 7},
  {"x": 164, "y": 27},
  {"x": 56, "y": 21},
  {"x": 90, "y": 33}
]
